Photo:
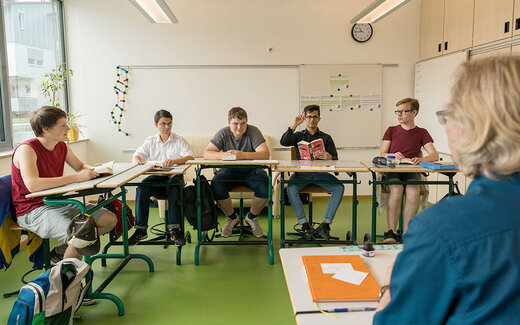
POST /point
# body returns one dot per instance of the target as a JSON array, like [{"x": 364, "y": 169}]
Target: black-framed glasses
[
  {"x": 442, "y": 116},
  {"x": 165, "y": 124},
  {"x": 312, "y": 117},
  {"x": 398, "y": 112}
]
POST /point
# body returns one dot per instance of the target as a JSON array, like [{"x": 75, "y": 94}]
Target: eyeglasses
[
  {"x": 442, "y": 116},
  {"x": 398, "y": 112},
  {"x": 312, "y": 117},
  {"x": 165, "y": 124}
]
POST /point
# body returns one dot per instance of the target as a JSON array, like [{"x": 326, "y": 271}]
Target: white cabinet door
[{"x": 492, "y": 21}]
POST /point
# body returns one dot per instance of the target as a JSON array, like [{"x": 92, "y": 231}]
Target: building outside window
[{"x": 34, "y": 45}]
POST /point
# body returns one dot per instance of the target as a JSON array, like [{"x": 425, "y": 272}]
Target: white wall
[{"x": 102, "y": 34}]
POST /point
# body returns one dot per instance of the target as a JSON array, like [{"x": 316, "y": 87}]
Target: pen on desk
[{"x": 337, "y": 310}]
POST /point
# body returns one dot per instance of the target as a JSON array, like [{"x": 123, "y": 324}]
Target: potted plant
[
  {"x": 54, "y": 82},
  {"x": 74, "y": 126}
]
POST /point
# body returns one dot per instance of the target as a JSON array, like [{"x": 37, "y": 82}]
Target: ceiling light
[
  {"x": 156, "y": 11},
  {"x": 377, "y": 10}
]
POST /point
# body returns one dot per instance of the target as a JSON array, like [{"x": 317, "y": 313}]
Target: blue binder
[{"x": 438, "y": 166}]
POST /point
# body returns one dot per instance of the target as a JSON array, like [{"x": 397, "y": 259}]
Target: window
[{"x": 32, "y": 37}]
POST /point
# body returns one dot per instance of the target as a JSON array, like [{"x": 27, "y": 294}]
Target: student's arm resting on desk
[
  {"x": 214, "y": 153},
  {"x": 25, "y": 160},
  {"x": 261, "y": 152},
  {"x": 178, "y": 161},
  {"x": 433, "y": 155},
  {"x": 422, "y": 285}
]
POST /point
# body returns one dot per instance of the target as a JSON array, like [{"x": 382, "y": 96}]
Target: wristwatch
[{"x": 382, "y": 292}]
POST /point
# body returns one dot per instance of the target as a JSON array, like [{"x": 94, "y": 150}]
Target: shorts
[
  {"x": 226, "y": 179},
  {"x": 399, "y": 177},
  {"x": 50, "y": 221}
]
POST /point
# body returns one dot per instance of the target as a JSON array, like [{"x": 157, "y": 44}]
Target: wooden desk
[
  {"x": 159, "y": 240},
  {"x": 351, "y": 167},
  {"x": 300, "y": 294},
  {"x": 405, "y": 168},
  {"x": 64, "y": 195},
  {"x": 237, "y": 164}
]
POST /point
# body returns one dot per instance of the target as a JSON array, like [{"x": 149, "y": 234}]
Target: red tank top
[{"x": 49, "y": 164}]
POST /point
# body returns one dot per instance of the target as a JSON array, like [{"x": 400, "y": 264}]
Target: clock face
[{"x": 362, "y": 32}]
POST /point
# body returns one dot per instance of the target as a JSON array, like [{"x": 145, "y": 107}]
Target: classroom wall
[{"x": 102, "y": 34}]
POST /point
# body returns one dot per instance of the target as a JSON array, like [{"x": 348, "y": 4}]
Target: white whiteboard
[
  {"x": 350, "y": 125},
  {"x": 199, "y": 98},
  {"x": 433, "y": 81}
]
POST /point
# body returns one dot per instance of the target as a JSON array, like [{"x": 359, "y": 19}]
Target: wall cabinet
[
  {"x": 493, "y": 20},
  {"x": 446, "y": 27},
  {"x": 516, "y": 18}
]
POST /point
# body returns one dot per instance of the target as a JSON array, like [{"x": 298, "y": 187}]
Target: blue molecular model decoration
[{"x": 121, "y": 88}]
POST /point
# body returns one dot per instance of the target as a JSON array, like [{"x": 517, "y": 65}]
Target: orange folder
[{"x": 326, "y": 289}]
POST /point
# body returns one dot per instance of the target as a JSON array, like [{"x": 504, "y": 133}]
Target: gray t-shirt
[{"x": 224, "y": 139}]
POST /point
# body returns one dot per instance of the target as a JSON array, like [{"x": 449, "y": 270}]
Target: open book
[
  {"x": 405, "y": 161},
  {"x": 311, "y": 150},
  {"x": 105, "y": 169}
]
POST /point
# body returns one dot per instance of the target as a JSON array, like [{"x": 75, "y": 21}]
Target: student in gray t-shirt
[{"x": 246, "y": 142}]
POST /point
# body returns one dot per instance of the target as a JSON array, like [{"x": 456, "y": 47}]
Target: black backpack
[{"x": 208, "y": 208}]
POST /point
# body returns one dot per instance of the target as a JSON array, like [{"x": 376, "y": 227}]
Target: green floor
[{"x": 232, "y": 285}]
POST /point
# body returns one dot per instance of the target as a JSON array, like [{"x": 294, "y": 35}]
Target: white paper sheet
[
  {"x": 350, "y": 276},
  {"x": 331, "y": 268}
]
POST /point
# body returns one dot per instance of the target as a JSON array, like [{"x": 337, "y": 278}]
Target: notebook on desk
[
  {"x": 439, "y": 165},
  {"x": 325, "y": 288}
]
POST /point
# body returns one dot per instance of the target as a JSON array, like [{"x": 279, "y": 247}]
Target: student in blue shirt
[{"x": 461, "y": 262}]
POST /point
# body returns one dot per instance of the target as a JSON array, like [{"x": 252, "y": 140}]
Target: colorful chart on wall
[{"x": 350, "y": 97}]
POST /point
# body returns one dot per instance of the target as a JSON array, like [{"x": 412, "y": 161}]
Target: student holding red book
[{"x": 311, "y": 116}]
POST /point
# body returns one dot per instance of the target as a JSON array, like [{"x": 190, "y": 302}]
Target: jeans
[
  {"x": 334, "y": 201},
  {"x": 226, "y": 179},
  {"x": 142, "y": 200}
]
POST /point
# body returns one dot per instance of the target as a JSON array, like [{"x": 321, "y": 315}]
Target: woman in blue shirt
[{"x": 461, "y": 259}]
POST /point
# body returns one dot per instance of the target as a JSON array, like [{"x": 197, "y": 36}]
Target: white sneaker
[
  {"x": 227, "y": 230},
  {"x": 255, "y": 227}
]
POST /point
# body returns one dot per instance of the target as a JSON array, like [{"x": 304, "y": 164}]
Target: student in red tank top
[
  {"x": 405, "y": 141},
  {"x": 37, "y": 165}
]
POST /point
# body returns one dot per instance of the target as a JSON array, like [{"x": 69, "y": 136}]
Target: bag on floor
[
  {"x": 116, "y": 207},
  {"x": 209, "y": 212},
  {"x": 51, "y": 298}
]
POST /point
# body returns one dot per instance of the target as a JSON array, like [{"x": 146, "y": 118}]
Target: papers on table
[{"x": 344, "y": 272}]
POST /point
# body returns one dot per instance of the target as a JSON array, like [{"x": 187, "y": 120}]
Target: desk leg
[
  {"x": 282, "y": 211},
  {"x": 270, "y": 218},
  {"x": 374, "y": 207},
  {"x": 199, "y": 212},
  {"x": 354, "y": 207}
]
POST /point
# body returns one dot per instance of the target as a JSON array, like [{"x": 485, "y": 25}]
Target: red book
[{"x": 311, "y": 150}]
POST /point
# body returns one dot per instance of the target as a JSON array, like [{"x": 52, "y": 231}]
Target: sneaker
[
  {"x": 390, "y": 237},
  {"x": 139, "y": 234},
  {"x": 56, "y": 254},
  {"x": 308, "y": 231},
  {"x": 177, "y": 237},
  {"x": 227, "y": 230},
  {"x": 324, "y": 230},
  {"x": 255, "y": 226}
]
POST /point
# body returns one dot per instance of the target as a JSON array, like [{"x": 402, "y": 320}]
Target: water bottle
[{"x": 390, "y": 161}]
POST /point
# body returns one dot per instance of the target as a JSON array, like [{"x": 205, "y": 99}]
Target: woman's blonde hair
[{"x": 486, "y": 102}]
